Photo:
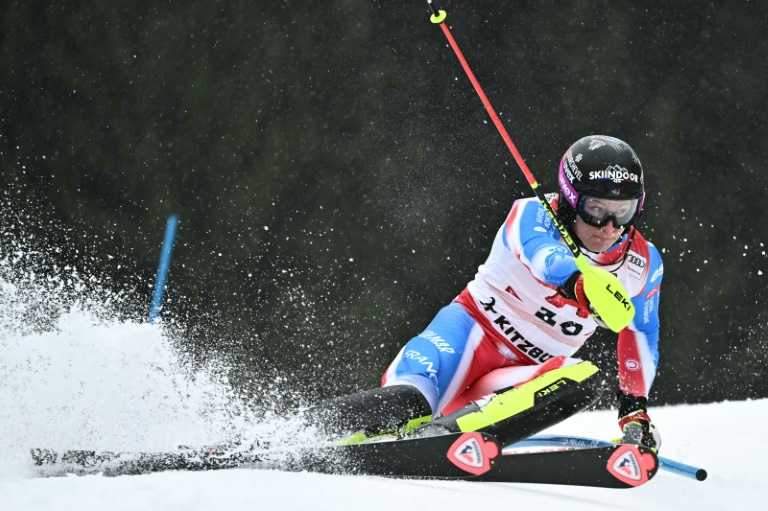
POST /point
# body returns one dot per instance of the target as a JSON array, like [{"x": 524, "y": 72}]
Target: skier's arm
[
  {"x": 638, "y": 350},
  {"x": 540, "y": 249},
  {"x": 530, "y": 230},
  {"x": 638, "y": 357}
]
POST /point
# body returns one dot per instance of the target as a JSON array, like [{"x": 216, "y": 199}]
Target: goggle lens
[{"x": 598, "y": 212}]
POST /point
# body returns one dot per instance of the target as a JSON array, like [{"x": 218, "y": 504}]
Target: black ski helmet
[{"x": 603, "y": 167}]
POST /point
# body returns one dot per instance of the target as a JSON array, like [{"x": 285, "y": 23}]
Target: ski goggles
[{"x": 598, "y": 212}]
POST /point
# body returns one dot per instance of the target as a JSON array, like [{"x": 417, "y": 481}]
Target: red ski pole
[
  {"x": 601, "y": 282},
  {"x": 438, "y": 17}
]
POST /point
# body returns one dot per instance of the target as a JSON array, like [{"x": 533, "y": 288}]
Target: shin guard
[{"x": 372, "y": 412}]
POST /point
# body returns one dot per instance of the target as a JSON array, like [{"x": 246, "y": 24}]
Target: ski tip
[
  {"x": 475, "y": 453},
  {"x": 633, "y": 465}
]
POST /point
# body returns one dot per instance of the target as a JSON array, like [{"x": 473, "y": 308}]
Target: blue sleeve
[
  {"x": 549, "y": 260},
  {"x": 646, "y": 305}
]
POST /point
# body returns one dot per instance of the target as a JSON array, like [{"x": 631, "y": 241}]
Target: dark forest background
[{"x": 338, "y": 181}]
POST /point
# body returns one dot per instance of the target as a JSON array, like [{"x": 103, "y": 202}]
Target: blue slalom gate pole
[
  {"x": 575, "y": 442},
  {"x": 162, "y": 269}
]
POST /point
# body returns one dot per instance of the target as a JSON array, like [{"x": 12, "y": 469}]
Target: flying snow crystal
[{"x": 76, "y": 373}]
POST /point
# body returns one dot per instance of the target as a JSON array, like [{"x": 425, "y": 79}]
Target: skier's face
[{"x": 597, "y": 239}]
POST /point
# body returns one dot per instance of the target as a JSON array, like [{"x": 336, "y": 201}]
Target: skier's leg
[
  {"x": 369, "y": 411},
  {"x": 513, "y": 414},
  {"x": 504, "y": 378},
  {"x": 430, "y": 370},
  {"x": 446, "y": 358}
]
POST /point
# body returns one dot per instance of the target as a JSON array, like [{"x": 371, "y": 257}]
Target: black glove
[{"x": 634, "y": 422}]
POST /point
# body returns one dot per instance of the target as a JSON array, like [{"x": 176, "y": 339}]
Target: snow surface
[{"x": 99, "y": 384}]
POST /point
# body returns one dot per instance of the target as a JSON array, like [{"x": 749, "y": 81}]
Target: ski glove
[{"x": 634, "y": 422}]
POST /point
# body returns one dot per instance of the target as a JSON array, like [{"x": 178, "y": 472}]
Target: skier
[{"x": 509, "y": 338}]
